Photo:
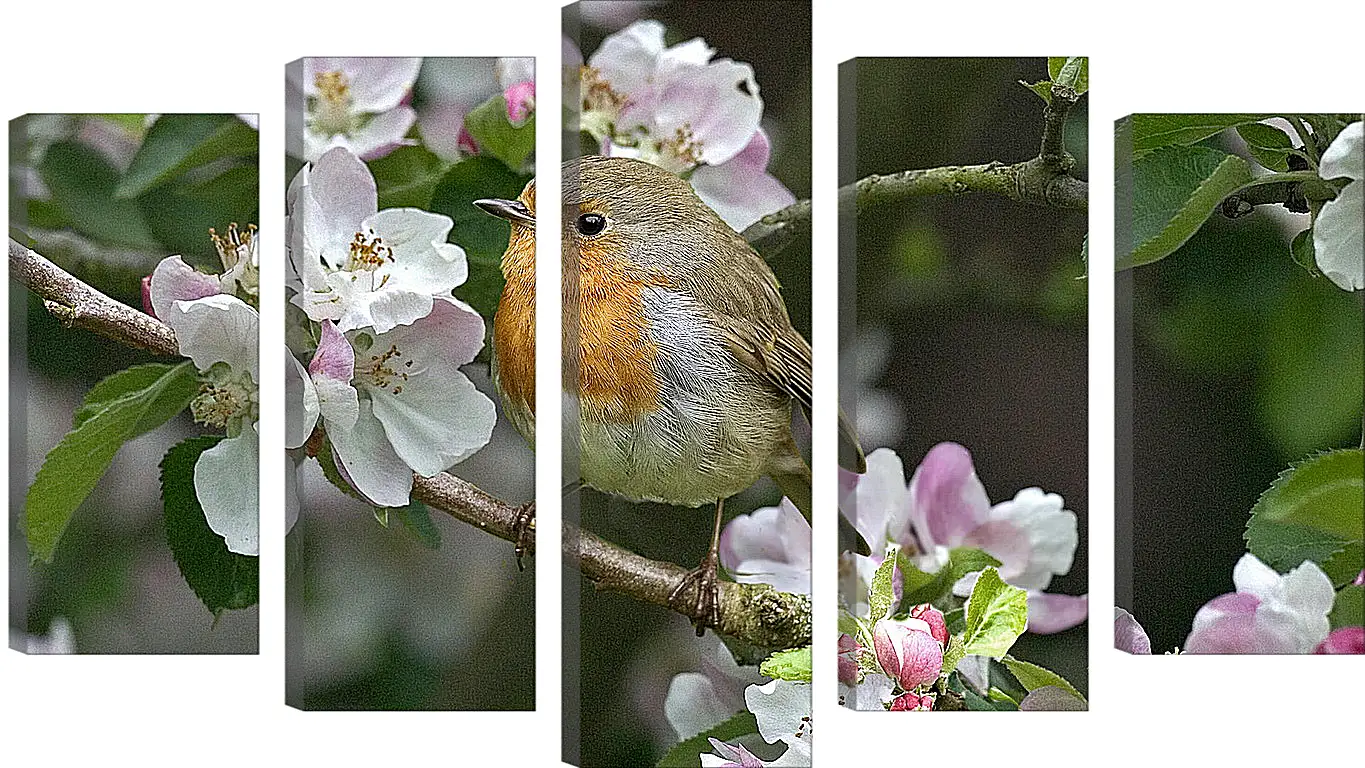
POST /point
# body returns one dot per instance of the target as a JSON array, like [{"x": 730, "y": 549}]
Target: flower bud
[
  {"x": 848, "y": 660},
  {"x": 908, "y": 652},
  {"x": 932, "y": 616},
  {"x": 1343, "y": 640},
  {"x": 913, "y": 702}
]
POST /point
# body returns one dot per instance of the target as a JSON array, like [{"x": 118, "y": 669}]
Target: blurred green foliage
[{"x": 1243, "y": 362}]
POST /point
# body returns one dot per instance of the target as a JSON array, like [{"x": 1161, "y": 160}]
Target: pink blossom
[
  {"x": 908, "y": 652},
  {"x": 1343, "y": 640},
  {"x": 912, "y": 702}
]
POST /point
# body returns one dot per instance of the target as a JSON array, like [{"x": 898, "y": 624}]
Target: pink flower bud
[
  {"x": 147, "y": 295},
  {"x": 848, "y": 660},
  {"x": 1343, "y": 640},
  {"x": 912, "y": 702},
  {"x": 932, "y": 616},
  {"x": 908, "y": 652},
  {"x": 521, "y": 99}
]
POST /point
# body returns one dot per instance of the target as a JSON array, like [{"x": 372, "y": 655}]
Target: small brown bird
[{"x": 686, "y": 362}]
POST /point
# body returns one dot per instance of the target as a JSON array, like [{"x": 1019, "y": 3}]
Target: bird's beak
[{"x": 512, "y": 210}]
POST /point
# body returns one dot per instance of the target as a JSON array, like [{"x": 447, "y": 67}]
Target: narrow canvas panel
[
  {"x": 687, "y": 294},
  {"x": 134, "y": 395},
  {"x": 1238, "y": 342},
  {"x": 409, "y": 486},
  {"x": 963, "y": 375}
]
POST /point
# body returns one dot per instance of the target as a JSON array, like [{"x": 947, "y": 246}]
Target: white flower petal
[
  {"x": 771, "y": 545},
  {"x": 1339, "y": 238},
  {"x": 218, "y": 328},
  {"x": 380, "y": 84},
  {"x": 692, "y": 705},
  {"x": 383, "y": 134},
  {"x": 780, "y": 707},
  {"x": 369, "y": 461},
  {"x": 1050, "y": 533},
  {"x": 225, "y": 482},
  {"x": 301, "y": 403}
]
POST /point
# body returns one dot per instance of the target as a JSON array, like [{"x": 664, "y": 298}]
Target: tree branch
[
  {"x": 754, "y": 613},
  {"x": 78, "y": 305}
]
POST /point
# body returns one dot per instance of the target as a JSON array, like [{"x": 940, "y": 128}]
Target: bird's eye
[{"x": 590, "y": 224}]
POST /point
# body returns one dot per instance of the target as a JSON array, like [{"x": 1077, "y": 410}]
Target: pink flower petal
[
  {"x": 335, "y": 358},
  {"x": 1049, "y": 613},
  {"x": 173, "y": 280},
  {"x": 1343, "y": 640},
  {"x": 947, "y": 500},
  {"x": 1129, "y": 636}
]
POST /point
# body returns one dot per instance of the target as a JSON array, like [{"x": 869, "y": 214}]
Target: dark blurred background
[
  {"x": 969, "y": 323},
  {"x": 630, "y": 651},
  {"x": 112, "y": 580},
  {"x": 1242, "y": 362}
]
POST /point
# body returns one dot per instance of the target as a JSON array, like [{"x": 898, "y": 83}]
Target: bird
[{"x": 685, "y": 362}]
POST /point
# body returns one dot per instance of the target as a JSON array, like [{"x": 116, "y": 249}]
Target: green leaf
[
  {"x": 996, "y": 615},
  {"x": 82, "y": 184},
  {"x": 381, "y": 516},
  {"x": 1303, "y": 252},
  {"x": 1269, "y": 145},
  {"x": 956, "y": 620},
  {"x": 920, "y": 587},
  {"x": 1055, "y": 65},
  {"x": 406, "y": 177},
  {"x": 1348, "y": 610},
  {"x": 178, "y": 143},
  {"x": 686, "y": 753},
  {"x": 848, "y": 624},
  {"x": 1032, "y": 676},
  {"x": 882, "y": 596},
  {"x": 327, "y": 462},
  {"x": 118, "y": 384},
  {"x": 221, "y": 578},
  {"x": 1174, "y": 191},
  {"x": 793, "y": 664},
  {"x": 1043, "y": 88},
  {"x": 1152, "y": 132},
  {"x": 1313, "y": 512},
  {"x": 977, "y": 703},
  {"x": 953, "y": 654},
  {"x": 75, "y": 465},
  {"x": 483, "y": 237},
  {"x": 488, "y": 125},
  {"x": 416, "y": 519}
]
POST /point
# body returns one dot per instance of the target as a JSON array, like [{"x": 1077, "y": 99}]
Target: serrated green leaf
[
  {"x": 998, "y": 697},
  {"x": 177, "y": 143},
  {"x": 1313, "y": 512},
  {"x": 953, "y": 654},
  {"x": 1055, "y": 65},
  {"x": 416, "y": 519},
  {"x": 1269, "y": 145},
  {"x": 1174, "y": 191},
  {"x": 222, "y": 579},
  {"x": 1152, "y": 132},
  {"x": 848, "y": 624},
  {"x": 72, "y": 468},
  {"x": 406, "y": 177},
  {"x": 483, "y": 237},
  {"x": 881, "y": 596},
  {"x": 1043, "y": 89},
  {"x": 118, "y": 384},
  {"x": 920, "y": 587},
  {"x": 793, "y": 664},
  {"x": 1348, "y": 610},
  {"x": 488, "y": 125},
  {"x": 1032, "y": 676},
  {"x": 686, "y": 753},
  {"x": 997, "y": 614},
  {"x": 82, "y": 184},
  {"x": 1303, "y": 252}
]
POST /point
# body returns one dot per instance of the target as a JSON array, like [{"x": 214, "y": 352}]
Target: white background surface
[{"x": 182, "y": 57}]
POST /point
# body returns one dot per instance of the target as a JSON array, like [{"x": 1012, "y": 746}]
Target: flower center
[
  {"x": 237, "y": 251},
  {"x": 332, "y": 107},
  {"x": 219, "y": 404},
  {"x": 387, "y": 371},
  {"x": 598, "y": 95},
  {"x": 368, "y": 253},
  {"x": 682, "y": 151}
]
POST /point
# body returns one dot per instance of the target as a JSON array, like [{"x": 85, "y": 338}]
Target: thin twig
[
  {"x": 754, "y": 613},
  {"x": 78, "y": 305}
]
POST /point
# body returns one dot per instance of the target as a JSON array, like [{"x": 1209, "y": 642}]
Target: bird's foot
[
  {"x": 697, "y": 595},
  {"x": 524, "y": 531}
]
